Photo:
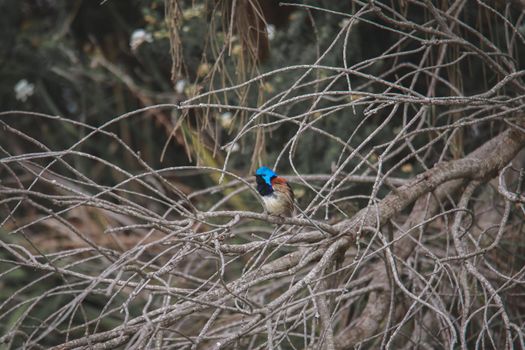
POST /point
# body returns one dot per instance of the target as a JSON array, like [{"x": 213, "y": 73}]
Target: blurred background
[{"x": 90, "y": 61}]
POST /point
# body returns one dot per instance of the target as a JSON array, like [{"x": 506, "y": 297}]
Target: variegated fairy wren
[{"x": 275, "y": 191}]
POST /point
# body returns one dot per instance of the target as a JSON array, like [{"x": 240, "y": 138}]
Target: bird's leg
[{"x": 281, "y": 218}]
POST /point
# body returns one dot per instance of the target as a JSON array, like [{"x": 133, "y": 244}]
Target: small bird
[{"x": 275, "y": 191}]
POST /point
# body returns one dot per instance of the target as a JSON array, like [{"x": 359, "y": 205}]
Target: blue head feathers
[{"x": 266, "y": 174}]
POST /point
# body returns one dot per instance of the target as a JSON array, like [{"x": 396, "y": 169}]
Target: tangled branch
[{"x": 408, "y": 238}]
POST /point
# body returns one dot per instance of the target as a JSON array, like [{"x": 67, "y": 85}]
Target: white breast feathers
[{"x": 275, "y": 204}]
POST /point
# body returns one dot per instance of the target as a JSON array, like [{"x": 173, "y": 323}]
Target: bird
[{"x": 275, "y": 191}]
